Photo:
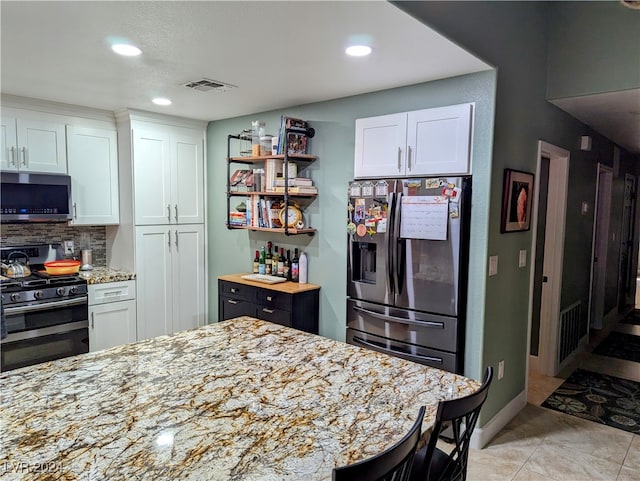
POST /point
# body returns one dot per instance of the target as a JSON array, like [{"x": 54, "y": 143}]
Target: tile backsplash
[{"x": 94, "y": 237}]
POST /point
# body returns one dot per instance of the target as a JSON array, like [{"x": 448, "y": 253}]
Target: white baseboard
[{"x": 481, "y": 436}]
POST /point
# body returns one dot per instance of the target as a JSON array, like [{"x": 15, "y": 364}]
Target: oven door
[{"x": 44, "y": 331}]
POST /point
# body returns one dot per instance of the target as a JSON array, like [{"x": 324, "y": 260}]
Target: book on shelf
[
  {"x": 271, "y": 169},
  {"x": 297, "y": 137},
  {"x": 298, "y": 190},
  {"x": 296, "y": 181},
  {"x": 240, "y": 176}
]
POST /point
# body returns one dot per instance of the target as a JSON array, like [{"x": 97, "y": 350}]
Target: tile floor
[{"x": 544, "y": 445}]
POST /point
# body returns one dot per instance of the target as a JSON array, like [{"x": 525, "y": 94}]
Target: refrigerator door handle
[
  {"x": 358, "y": 340},
  {"x": 439, "y": 325},
  {"x": 398, "y": 260},
  {"x": 390, "y": 239}
]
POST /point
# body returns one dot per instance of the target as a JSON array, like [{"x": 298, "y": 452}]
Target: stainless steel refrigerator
[{"x": 408, "y": 244}]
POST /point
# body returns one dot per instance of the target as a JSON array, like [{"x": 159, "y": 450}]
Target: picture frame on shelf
[{"x": 517, "y": 197}]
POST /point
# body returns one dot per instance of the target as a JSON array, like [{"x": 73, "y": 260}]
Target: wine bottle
[
  {"x": 281, "y": 263},
  {"x": 294, "y": 266},
  {"x": 261, "y": 262},
  {"x": 268, "y": 262},
  {"x": 286, "y": 268},
  {"x": 274, "y": 262},
  {"x": 256, "y": 263}
]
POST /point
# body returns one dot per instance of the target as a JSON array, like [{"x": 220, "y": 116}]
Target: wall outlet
[
  {"x": 500, "y": 369},
  {"x": 493, "y": 265},
  {"x": 68, "y": 248}
]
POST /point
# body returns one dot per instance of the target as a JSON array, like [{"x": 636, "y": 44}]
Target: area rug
[
  {"x": 632, "y": 318},
  {"x": 600, "y": 398},
  {"x": 620, "y": 345}
]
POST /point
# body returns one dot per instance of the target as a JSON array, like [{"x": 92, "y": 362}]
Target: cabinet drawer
[
  {"x": 277, "y": 316},
  {"x": 111, "y": 292},
  {"x": 230, "y": 308},
  {"x": 274, "y": 299},
  {"x": 237, "y": 291}
]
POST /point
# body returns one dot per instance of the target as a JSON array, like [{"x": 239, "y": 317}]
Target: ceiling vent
[{"x": 205, "y": 84}]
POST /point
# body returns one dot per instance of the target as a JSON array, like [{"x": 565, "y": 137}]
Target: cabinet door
[
  {"x": 230, "y": 308},
  {"x": 41, "y": 146},
  {"x": 112, "y": 324},
  {"x": 187, "y": 177},
  {"x": 189, "y": 277},
  {"x": 152, "y": 177},
  {"x": 93, "y": 167},
  {"x": 8, "y": 144},
  {"x": 380, "y": 146},
  {"x": 438, "y": 140},
  {"x": 154, "y": 281}
]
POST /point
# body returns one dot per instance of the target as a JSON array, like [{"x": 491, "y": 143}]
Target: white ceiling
[{"x": 277, "y": 54}]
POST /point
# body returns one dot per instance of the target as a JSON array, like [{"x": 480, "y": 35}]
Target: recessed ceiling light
[
  {"x": 126, "y": 50},
  {"x": 161, "y": 101},
  {"x": 358, "y": 50}
]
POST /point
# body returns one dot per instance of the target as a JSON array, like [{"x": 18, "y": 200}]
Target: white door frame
[
  {"x": 547, "y": 360},
  {"x": 601, "y": 216}
]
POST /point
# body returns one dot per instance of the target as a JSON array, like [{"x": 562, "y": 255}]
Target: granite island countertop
[
  {"x": 101, "y": 275},
  {"x": 242, "y": 400}
]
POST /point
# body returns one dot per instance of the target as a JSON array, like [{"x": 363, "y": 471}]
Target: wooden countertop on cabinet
[{"x": 286, "y": 287}]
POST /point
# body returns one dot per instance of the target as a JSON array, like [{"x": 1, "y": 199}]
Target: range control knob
[
  {"x": 60, "y": 291},
  {"x": 37, "y": 294},
  {"x": 15, "y": 297},
  {"x": 73, "y": 290}
]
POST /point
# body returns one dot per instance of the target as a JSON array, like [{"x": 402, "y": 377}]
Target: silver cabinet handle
[
  {"x": 176, "y": 239},
  {"x": 399, "y": 158},
  {"x": 176, "y": 208},
  {"x": 231, "y": 301},
  {"x": 169, "y": 237},
  {"x": 169, "y": 212},
  {"x": 409, "y": 157},
  {"x": 268, "y": 311},
  {"x": 75, "y": 211},
  {"x": 12, "y": 150},
  {"x": 269, "y": 298},
  {"x": 92, "y": 319},
  {"x": 234, "y": 290},
  {"x": 24, "y": 156}
]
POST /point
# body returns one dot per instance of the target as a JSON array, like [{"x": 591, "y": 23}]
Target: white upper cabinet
[
  {"x": 411, "y": 144},
  {"x": 32, "y": 145},
  {"x": 93, "y": 167},
  {"x": 168, "y": 167}
]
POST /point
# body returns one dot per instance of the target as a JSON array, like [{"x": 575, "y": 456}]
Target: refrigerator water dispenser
[{"x": 364, "y": 262}]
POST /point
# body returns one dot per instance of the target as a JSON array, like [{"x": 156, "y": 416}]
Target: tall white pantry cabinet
[{"x": 162, "y": 233}]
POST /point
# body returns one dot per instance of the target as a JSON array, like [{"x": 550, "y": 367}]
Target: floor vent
[
  {"x": 205, "y": 85},
  {"x": 572, "y": 329}
]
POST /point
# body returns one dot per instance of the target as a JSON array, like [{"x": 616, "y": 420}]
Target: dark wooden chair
[
  {"x": 393, "y": 464},
  {"x": 459, "y": 416}
]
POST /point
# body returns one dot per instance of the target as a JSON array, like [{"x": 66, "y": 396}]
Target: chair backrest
[
  {"x": 393, "y": 464},
  {"x": 461, "y": 414}
]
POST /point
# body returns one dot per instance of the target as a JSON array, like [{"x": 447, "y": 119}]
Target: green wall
[
  {"x": 605, "y": 35},
  {"x": 513, "y": 36},
  {"x": 334, "y": 121}
]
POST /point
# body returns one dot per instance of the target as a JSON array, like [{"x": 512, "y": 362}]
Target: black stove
[{"x": 44, "y": 317}]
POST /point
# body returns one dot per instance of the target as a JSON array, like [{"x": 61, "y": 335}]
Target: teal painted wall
[
  {"x": 513, "y": 37},
  {"x": 602, "y": 34},
  {"x": 334, "y": 121}
]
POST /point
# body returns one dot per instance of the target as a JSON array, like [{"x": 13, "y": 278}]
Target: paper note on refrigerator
[{"x": 424, "y": 217}]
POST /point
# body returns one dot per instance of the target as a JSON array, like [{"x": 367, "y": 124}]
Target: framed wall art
[{"x": 517, "y": 196}]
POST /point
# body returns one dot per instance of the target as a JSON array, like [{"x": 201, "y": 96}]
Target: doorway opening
[{"x": 552, "y": 175}]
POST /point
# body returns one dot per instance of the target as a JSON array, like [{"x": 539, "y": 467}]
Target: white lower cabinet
[
  {"x": 171, "y": 279},
  {"x": 112, "y": 314}
]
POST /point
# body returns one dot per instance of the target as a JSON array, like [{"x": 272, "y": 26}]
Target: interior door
[{"x": 600, "y": 244}]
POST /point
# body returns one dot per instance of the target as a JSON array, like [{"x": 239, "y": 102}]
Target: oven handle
[
  {"x": 47, "y": 305},
  {"x": 384, "y": 317},
  {"x": 45, "y": 331},
  {"x": 358, "y": 340}
]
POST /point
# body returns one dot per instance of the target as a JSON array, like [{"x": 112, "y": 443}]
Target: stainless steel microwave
[{"x": 27, "y": 197}]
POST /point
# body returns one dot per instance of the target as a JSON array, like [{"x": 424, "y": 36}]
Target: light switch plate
[
  {"x": 522, "y": 260},
  {"x": 68, "y": 248},
  {"x": 493, "y": 265}
]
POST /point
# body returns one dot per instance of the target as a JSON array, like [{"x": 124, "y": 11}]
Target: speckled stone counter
[
  {"x": 100, "y": 275},
  {"x": 241, "y": 400}
]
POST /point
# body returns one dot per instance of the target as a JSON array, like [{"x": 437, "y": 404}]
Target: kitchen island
[{"x": 238, "y": 400}]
